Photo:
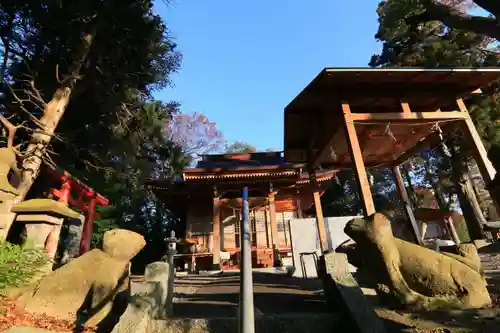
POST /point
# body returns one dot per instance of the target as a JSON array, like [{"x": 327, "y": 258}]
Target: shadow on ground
[
  {"x": 289, "y": 302},
  {"x": 219, "y": 297}
]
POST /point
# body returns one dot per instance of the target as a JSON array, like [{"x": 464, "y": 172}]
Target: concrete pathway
[{"x": 218, "y": 296}]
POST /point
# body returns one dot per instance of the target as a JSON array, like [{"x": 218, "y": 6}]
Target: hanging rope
[
  {"x": 333, "y": 155},
  {"x": 371, "y": 179},
  {"x": 388, "y": 131},
  {"x": 442, "y": 143},
  {"x": 337, "y": 180}
]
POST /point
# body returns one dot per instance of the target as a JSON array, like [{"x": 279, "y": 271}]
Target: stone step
[{"x": 304, "y": 323}]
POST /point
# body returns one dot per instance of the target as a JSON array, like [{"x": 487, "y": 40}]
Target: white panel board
[{"x": 305, "y": 241}]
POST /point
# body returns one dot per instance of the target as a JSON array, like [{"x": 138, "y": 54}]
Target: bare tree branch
[
  {"x": 11, "y": 129},
  {"x": 492, "y": 6},
  {"x": 457, "y": 19}
]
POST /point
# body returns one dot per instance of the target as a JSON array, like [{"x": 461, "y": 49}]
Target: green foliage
[
  {"x": 18, "y": 265},
  {"x": 429, "y": 44},
  {"x": 106, "y": 220},
  {"x": 432, "y": 44},
  {"x": 341, "y": 198},
  {"x": 240, "y": 147},
  {"x": 114, "y": 134}
]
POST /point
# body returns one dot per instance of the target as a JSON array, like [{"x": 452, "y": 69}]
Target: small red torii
[{"x": 87, "y": 200}]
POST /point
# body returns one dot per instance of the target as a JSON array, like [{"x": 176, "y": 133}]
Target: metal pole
[
  {"x": 246, "y": 320},
  {"x": 171, "y": 251}
]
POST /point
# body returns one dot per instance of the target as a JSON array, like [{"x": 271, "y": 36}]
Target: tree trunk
[
  {"x": 454, "y": 18},
  {"x": 438, "y": 193},
  {"x": 468, "y": 202},
  {"x": 411, "y": 193},
  {"x": 52, "y": 114},
  {"x": 475, "y": 186}
]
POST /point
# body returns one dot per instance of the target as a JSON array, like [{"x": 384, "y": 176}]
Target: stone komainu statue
[{"x": 411, "y": 275}]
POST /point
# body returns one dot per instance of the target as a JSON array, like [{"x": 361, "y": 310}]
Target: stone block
[
  {"x": 43, "y": 231},
  {"x": 157, "y": 275},
  {"x": 71, "y": 246},
  {"x": 39, "y": 218},
  {"x": 37, "y": 234},
  {"x": 43, "y": 235},
  {"x": 343, "y": 293},
  {"x": 479, "y": 243},
  {"x": 148, "y": 304},
  {"x": 113, "y": 241}
]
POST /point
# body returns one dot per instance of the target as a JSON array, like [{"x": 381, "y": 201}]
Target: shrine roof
[
  {"x": 248, "y": 165},
  {"x": 241, "y": 160},
  {"x": 235, "y": 168}
]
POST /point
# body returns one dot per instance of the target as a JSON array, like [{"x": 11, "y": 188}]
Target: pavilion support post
[
  {"x": 357, "y": 158},
  {"x": 320, "y": 222},
  {"x": 407, "y": 204},
  {"x": 216, "y": 243},
  {"x": 480, "y": 154}
]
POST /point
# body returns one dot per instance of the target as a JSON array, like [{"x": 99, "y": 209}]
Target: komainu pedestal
[
  {"x": 91, "y": 286},
  {"x": 43, "y": 219},
  {"x": 345, "y": 296}
]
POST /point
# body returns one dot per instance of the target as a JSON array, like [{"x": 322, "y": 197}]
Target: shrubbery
[{"x": 18, "y": 265}]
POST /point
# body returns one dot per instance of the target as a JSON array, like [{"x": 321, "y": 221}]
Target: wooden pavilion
[
  {"x": 364, "y": 117},
  {"x": 209, "y": 197}
]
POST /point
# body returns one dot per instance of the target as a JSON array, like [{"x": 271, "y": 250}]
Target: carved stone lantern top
[{"x": 47, "y": 206}]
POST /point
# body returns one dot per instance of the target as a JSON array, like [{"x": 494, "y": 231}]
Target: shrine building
[{"x": 209, "y": 198}]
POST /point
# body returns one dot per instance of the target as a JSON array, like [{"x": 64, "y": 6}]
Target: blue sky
[{"x": 244, "y": 61}]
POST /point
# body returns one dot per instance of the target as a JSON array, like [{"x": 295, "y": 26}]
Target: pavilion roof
[
  {"x": 314, "y": 118},
  {"x": 378, "y": 87}
]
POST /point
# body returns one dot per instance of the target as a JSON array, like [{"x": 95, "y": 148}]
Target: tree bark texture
[
  {"x": 471, "y": 209},
  {"x": 52, "y": 114},
  {"x": 454, "y": 18}
]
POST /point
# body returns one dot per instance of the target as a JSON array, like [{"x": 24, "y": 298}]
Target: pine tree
[{"x": 433, "y": 45}]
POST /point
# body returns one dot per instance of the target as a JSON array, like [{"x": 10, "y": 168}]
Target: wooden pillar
[
  {"x": 357, "y": 159},
  {"x": 88, "y": 225},
  {"x": 480, "y": 155},
  {"x": 407, "y": 204},
  {"x": 320, "y": 222},
  {"x": 216, "y": 233},
  {"x": 272, "y": 218},
  {"x": 268, "y": 227},
  {"x": 299, "y": 206}
]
